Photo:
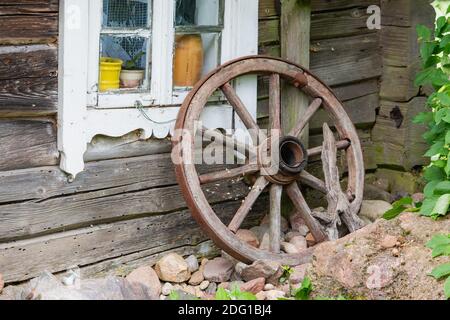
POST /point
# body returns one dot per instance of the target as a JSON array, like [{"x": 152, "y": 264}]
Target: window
[{"x": 129, "y": 64}]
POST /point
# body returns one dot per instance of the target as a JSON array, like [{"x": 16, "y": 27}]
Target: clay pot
[{"x": 131, "y": 79}]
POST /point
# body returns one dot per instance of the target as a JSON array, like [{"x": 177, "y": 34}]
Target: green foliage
[
  {"x": 234, "y": 294},
  {"x": 440, "y": 245},
  {"x": 305, "y": 290},
  {"x": 435, "y": 54},
  {"x": 402, "y": 205},
  {"x": 287, "y": 271},
  {"x": 133, "y": 63}
]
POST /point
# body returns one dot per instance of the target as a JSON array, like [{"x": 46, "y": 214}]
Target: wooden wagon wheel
[{"x": 343, "y": 205}]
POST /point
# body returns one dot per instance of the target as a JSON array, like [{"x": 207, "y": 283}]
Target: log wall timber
[{"x": 400, "y": 99}]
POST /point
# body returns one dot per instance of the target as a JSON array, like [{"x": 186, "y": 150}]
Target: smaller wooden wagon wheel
[{"x": 343, "y": 206}]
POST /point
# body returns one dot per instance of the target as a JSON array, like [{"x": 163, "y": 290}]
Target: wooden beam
[{"x": 295, "y": 44}]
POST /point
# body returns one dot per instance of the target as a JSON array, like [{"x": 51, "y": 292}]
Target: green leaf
[
  {"x": 441, "y": 22},
  {"x": 430, "y": 188},
  {"x": 424, "y": 76},
  {"x": 403, "y": 202},
  {"x": 247, "y": 296},
  {"x": 434, "y": 174},
  {"x": 447, "y": 167},
  {"x": 442, "y": 188},
  {"x": 428, "y": 206},
  {"x": 441, "y": 271},
  {"x": 447, "y": 288},
  {"x": 174, "y": 296},
  {"x": 394, "y": 213},
  {"x": 442, "y": 205},
  {"x": 304, "y": 292},
  {"x": 443, "y": 250},
  {"x": 426, "y": 50},
  {"x": 423, "y": 118},
  {"x": 445, "y": 41},
  {"x": 439, "y": 240},
  {"x": 435, "y": 149},
  {"x": 443, "y": 98},
  {"x": 222, "y": 295},
  {"x": 423, "y": 32}
]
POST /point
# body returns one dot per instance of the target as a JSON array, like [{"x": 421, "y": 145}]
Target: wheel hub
[{"x": 284, "y": 167}]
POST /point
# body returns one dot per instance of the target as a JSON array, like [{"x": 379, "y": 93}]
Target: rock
[
  {"x": 374, "y": 209},
  {"x": 229, "y": 258},
  {"x": 265, "y": 242},
  {"x": 269, "y": 270},
  {"x": 274, "y": 295},
  {"x": 204, "y": 262},
  {"x": 261, "y": 296},
  {"x": 218, "y": 270},
  {"x": 199, "y": 293},
  {"x": 204, "y": 285},
  {"x": 254, "y": 286},
  {"x": 269, "y": 287},
  {"x": 196, "y": 278},
  {"x": 286, "y": 288},
  {"x": 372, "y": 192},
  {"x": 162, "y": 297},
  {"x": 289, "y": 248},
  {"x": 224, "y": 285},
  {"x": 310, "y": 240},
  {"x": 147, "y": 277},
  {"x": 212, "y": 288},
  {"x": 167, "y": 289},
  {"x": 192, "y": 263},
  {"x": 291, "y": 235},
  {"x": 190, "y": 290},
  {"x": 300, "y": 243},
  {"x": 248, "y": 237},
  {"x": 389, "y": 242},
  {"x": 418, "y": 197},
  {"x": 298, "y": 275},
  {"x": 298, "y": 224},
  {"x": 284, "y": 223},
  {"x": 2, "y": 283},
  {"x": 260, "y": 231},
  {"x": 239, "y": 268},
  {"x": 359, "y": 266},
  {"x": 173, "y": 268}
]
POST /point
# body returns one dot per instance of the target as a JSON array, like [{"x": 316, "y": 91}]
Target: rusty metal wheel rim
[{"x": 187, "y": 174}]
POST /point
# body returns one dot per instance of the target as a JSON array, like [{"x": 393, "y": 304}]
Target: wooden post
[{"x": 295, "y": 45}]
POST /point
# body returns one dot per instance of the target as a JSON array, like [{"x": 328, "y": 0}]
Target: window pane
[
  {"x": 195, "y": 56},
  {"x": 198, "y": 12},
  {"x": 126, "y": 13},
  {"x": 133, "y": 52}
]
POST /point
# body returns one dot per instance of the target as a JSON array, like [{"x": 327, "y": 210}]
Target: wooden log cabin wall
[{"x": 126, "y": 209}]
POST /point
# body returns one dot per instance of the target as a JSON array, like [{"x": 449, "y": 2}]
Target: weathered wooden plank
[
  {"x": 406, "y": 13},
  {"x": 398, "y": 83},
  {"x": 340, "y": 23},
  {"x": 346, "y": 60},
  {"x": 267, "y": 8},
  {"x": 34, "y": 61},
  {"x": 269, "y": 31},
  {"x": 27, "y": 144},
  {"x": 29, "y": 7},
  {"x": 295, "y": 43},
  {"x": 27, "y": 29},
  {"x": 330, "y": 5},
  {"x": 25, "y": 259},
  {"x": 405, "y": 146},
  {"x": 28, "y": 97},
  {"x": 400, "y": 46},
  {"x": 31, "y": 219}
]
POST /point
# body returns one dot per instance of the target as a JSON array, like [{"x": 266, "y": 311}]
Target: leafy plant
[
  {"x": 402, "y": 205},
  {"x": 440, "y": 245},
  {"x": 305, "y": 290},
  {"x": 234, "y": 294},
  {"x": 435, "y": 54},
  {"x": 287, "y": 272},
  {"x": 133, "y": 63}
]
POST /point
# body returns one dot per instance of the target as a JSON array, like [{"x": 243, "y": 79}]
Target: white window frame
[{"x": 83, "y": 113}]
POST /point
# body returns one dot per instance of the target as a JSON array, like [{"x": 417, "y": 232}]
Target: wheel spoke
[
  {"x": 248, "y": 203},
  {"x": 275, "y": 102},
  {"x": 302, "y": 207},
  {"x": 275, "y": 217},
  {"x": 229, "y": 141},
  {"x": 311, "y": 181},
  {"x": 312, "y": 109},
  {"x": 228, "y": 174},
  {"x": 239, "y": 107},
  {"x": 341, "y": 145}
]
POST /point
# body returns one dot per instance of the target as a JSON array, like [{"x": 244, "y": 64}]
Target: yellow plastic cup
[{"x": 110, "y": 69}]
